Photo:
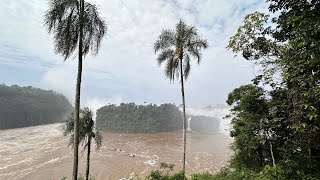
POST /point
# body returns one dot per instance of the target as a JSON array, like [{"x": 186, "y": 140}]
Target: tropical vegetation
[
  {"x": 75, "y": 23},
  {"x": 30, "y": 106},
  {"x": 176, "y": 47},
  {"x": 151, "y": 118},
  {"x": 275, "y": 119},
  {"x": 276, "y": 129},
  {"x": 87, "y": 133},
  {"x": 132, "y": 118}
]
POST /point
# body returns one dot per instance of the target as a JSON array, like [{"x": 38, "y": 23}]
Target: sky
[{"x": 125, "y": 70}]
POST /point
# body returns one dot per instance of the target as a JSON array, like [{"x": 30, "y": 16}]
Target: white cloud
[
  {"x": 61, "y": 79},
  {"x": 126, "y": 63},
  {"x": 94, "y": 103}
]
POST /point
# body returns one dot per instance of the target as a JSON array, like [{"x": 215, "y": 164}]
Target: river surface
[{"x": 42, "y": 152}]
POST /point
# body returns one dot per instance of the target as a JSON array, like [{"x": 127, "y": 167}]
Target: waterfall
[{"x": 189, "y": 125}]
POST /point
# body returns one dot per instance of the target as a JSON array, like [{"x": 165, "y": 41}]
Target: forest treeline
[
  {"x": 29, "y": 106},
  {"x": 132, "y": 118},
  {"x": 276, "y": 129}
]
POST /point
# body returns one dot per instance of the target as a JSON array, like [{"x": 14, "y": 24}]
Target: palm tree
[
  {"x": 176, "y": 48},
  {"x": 75, "y": 23},
  {"x": 86, "y": 132}
]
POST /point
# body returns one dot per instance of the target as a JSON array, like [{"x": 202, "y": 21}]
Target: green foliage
[
  {"x": 29, "y": 106},
  {"x": 276, "y": 131},
  {"x": 87, "y": 132},
  {"x": 86, "y": 128},
  {"x": 75, "y": 23},
  {"x": 62, "y": 19},
  {"x": 179, "y": 46},
  {"x": 255, "y": 43},
  {"x": 176, "y": 48},
  {"x": 203, "y": 176},
  {"x": 164, "y": 173},
  {"x": 249, "y": 114},
  {"x": 131, "y": 118}
]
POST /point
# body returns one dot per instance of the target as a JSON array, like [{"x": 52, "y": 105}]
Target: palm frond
[
  {"x": 165, "y": 55},
  {"x": 71, "y": 140},
  {"x": 94, "y": 29},
  {"x": 69, "y": 124},
  {"x": 57, "y": 11},
  {"x": 181, "y": 27},
  {"x": 190, "y": 32},
  {"x": 171, "y": 68},
  {"x": 66, "y": 36},
  {"x": 181, "y": 43},
  {"x": 98, "y": 139},
  {"x": 186, "y": 66},
  {"x": 63, "y": 21},
  {"x": 165, "y": 41},
  {"x": 194, "y": 45},
  {"x": 86, "y": 128}
]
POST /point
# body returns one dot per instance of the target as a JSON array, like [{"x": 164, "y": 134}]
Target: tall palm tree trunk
[
  {"x": 77, "y": 98},
  {"x": 184, "y": 118},
  {"x": 271, "y": 152},
  {"x": 88, "y": 158}
]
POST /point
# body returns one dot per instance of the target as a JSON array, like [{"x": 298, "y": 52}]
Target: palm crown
[
  {"x": 63, "y": 21},
  {"x": 179, "y": 46},
  {"x": 86, "y": 128}
]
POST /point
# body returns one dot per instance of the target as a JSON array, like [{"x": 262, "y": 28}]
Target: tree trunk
[
  {"x": 88, "y": 159},
  {"x": 271, "y": 152},
  {"x": 261, "y": 156},
  {"x": 77, "y": 98},
  {"x": 309, "y": 152},
  {"x": 184, "y": 118}
]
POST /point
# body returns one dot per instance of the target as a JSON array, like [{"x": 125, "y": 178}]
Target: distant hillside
[
  {"x": 132, "y": 118},
  {"x": 29, "y": 106}
]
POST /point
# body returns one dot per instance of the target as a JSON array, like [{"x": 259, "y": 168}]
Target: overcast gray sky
[{"x": 125, "y": 69}]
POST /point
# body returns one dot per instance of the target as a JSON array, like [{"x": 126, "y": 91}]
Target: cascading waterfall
[
  {"x": 189, "y": 125},
  {"x": 217, "y": 111}
]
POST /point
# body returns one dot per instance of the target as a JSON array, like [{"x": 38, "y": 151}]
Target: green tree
[
  {"x": 249, "y": 114},
  {"x": 288, "y": 52},
  {"x": 30, "y": 106},
  {"x": 86, "y": 134},
  {"x": 176, "y": 48},
  {"x": 75, "y": 23},
  {"x": 132, "y": 118}
]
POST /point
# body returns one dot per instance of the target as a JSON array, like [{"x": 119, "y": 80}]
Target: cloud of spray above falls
[{"x": 218, "y": 111}]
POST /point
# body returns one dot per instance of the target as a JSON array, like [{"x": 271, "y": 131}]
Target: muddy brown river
[{"x": 42, "y": 152}]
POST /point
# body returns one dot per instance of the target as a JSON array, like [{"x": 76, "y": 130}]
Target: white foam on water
[
  {"x": 130, "y": 178},
  {"x": 152, "y": 160},
  {"x": 24, "y": 146}
]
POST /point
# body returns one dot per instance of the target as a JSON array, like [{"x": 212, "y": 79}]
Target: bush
[{"x": 164, "y": 173}]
